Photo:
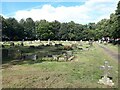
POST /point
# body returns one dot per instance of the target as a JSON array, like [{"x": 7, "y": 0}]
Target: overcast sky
[{"x": 83, "y": 12}]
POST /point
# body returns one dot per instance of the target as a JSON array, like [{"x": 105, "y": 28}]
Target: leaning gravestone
[{"x": 105, "y": 80}]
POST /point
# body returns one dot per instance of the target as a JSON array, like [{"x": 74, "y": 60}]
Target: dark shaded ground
[{"x": 111, "y": 53}]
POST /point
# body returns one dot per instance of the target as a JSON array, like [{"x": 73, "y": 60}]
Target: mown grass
[{"x": 82, "y": 72}]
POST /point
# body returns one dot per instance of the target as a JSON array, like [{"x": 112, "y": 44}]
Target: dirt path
[{"x": 111, "y": 53}]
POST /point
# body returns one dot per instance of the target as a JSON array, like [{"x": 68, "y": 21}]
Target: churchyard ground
[{"x": 81, "y": 72}]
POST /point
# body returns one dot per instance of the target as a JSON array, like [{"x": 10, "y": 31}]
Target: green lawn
[{"x": 82, "y": 72}]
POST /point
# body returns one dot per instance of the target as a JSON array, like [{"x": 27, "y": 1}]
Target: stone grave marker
[
  {"x": 48, "y": 41},
  {"x": 69, "y": 55},
  {"x": 90, "y": 42},
  {"x": 31, "y": 57},
  {"x": 80, "y": 42},
  {"x": 105, "y": 79},
  {"x": 99, "y": 41},
  {"x": 39, "y": 40},
  {"x": 55, "y": 57}
]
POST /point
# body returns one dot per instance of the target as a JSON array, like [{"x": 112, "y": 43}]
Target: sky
[{"x": 82, "y": 11}]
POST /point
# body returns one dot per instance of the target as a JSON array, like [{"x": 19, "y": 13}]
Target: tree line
[{"x": 28, "y": 29}]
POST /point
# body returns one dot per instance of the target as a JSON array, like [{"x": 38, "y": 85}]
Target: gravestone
[
  {"x": 48, "y": 42},
  {"x": 90, "y": 42},
  {"x": 80, "y": 42},
  {"x": 69, "y": 55},
  {"x": 75, "y": 42},
  {"x": 55, "y": 57},
  {"x": 31, "y": 57},
  {"x": 30, "y": 42},
  {"x": 34, "y": 57},
  {"x": 105, "y": 79},
  {"x": 99, "y": 41},
  {"x": 39, "y": 40}
]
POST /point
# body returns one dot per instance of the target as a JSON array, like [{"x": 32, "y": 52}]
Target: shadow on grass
[{"x": 29, "y": 62}]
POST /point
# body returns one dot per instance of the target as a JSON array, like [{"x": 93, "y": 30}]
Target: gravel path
[{"x": 111, "y": 53}]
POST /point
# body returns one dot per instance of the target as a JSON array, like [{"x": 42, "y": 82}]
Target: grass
[
  {"x": 114, "y": 48},
  {"x": 82, "y": 72}
]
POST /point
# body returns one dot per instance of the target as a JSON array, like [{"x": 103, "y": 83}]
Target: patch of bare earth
[{"x": 111, "y": 53}]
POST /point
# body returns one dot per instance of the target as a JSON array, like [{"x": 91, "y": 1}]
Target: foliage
[{"x": 31, "y": 30}]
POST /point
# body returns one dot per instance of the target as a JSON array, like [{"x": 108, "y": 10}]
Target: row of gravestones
[
  {"x": 13, "y": 44},
  {"x": 50, "y": 43},
  {"x": 27, "y": 57},
  {"x": 17, "y": 54},
  {"x": 68, "y": 56}
]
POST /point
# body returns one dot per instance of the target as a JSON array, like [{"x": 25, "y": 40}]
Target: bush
[{"x": 67, "y": 47}]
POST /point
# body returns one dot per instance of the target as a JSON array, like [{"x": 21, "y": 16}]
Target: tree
[
  {"x": 55, "y": 27},
  {"x": 29, "y": 28},
  {"x": 44, "y": 30},
  {"x": 116, "y": 33}
]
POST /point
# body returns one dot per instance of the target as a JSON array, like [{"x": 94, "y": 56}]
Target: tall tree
[
  {"x": 29, "y": 28},
  {"x": 116, "y": 33}
]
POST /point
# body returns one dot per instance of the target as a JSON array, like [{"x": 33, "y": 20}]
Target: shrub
[{"x": 67, "y": 47}]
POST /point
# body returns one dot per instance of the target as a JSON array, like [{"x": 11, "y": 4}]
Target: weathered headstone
[
  {"x": 69, "y": 55},
  {"x": 80, "y": 42},
  {"x": 30, "y": 42},
  {"x": 90, "y": 42},
  {"x": 31, "y": 57},
  {"x": 99, "y": 41},
  {"x": 55, "y": 57},
  {"x": 48, "y": 41},
  {"x": 105, "y": 80}
]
